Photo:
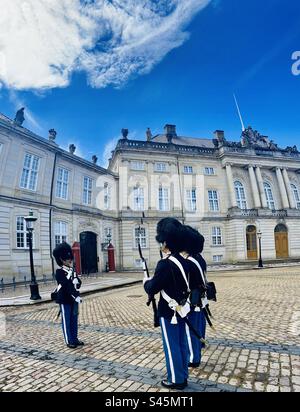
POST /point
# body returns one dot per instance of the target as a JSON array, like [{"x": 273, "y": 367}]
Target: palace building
[{"x": 233, "y": 192}]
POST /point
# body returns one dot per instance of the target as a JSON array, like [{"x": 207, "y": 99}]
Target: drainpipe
[
  {"x": 50, "y": 211},
  {"x": 180, "y": 191}
]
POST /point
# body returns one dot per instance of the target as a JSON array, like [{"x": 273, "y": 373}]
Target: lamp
[
  {"x": 34, "y": 288},
  {"x": 260, "y": 263}
]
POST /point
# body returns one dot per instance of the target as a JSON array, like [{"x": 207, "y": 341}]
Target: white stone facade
[{"x": 229, "y": 191}]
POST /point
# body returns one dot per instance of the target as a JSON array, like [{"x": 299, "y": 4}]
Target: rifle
[{"x": 151, "y": 299}]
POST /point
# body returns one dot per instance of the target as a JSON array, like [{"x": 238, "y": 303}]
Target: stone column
[
  {"x": 261, "y": 187},
  {"x": 254, "y": 187},
  {"x": 289, "y": 189},
  {"x": 233, "y": 202},
  {"x": 283, "y": 194},
  {"x": 123, "y": 188},
  {"x": 150, "y": 173}
]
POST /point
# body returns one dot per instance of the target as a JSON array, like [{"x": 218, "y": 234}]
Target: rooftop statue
[
  {"x": 252, "y": 138},
  {"x": 125, "y": 133},
  {"x": 19, "y": 119}
]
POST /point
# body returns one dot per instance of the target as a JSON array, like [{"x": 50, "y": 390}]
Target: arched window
[
  {"x": 296, "y": 195},
  {"x": 240, "y": 195},
  {"x": 269, "y": 196}
]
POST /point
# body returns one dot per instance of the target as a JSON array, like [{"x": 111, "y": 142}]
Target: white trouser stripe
[
  {"x": 169, "y": 350},
  {"x": 64, "y": 324},
  {"x": 188, "y": 335}
]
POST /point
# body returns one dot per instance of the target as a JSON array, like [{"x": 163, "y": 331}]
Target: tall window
[
  {"x": 107, "y": 196},
  {"x": 216, "y": 236},
  {"x": 30, "y": 172},
  {"x": 240, "y": 195},
  {"x": 135, "y": 165},
  {"x": 107, "y": 234},
  {"x": 22, "y": 234},
  {"x": 62, "y": 183},
  {"x": 160, "y": 167},
  {"x": 140, "y": 236},
  {"x": 269, "y": 196},
  {"x": 138, "y": 198},
  {"x": 87, "y": 190},
  {"x": 60, "y": 232},
  {"x": 163, "y": 199},
  {"x": 191, "y": 200},
  {"x": 213, "y": 200},
  {"x": 209, "y": 171},
  {"x": 296, "y": 195},
  {"x": 188, "y": 169}
]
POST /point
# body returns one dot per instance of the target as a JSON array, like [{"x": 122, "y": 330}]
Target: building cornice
[{"x": 52, "y": 147}]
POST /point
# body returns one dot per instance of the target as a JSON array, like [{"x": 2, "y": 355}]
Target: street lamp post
[
  {"x": 260, "y": 263},
  {"x": 34, "y": 288}
]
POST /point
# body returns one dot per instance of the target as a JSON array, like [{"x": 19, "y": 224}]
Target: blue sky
[{"x": 234, "y": 46}]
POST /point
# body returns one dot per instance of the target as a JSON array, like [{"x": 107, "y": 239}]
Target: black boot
[{"x": 170, "y": 385}]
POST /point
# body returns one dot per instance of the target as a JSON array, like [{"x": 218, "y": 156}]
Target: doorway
[
  {"x": 281, "y": 241},
  {"x": 88, "y": 250},
  {"x": 251, "y": 237}
]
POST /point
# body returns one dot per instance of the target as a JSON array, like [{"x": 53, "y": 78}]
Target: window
[
  {"x": 60, "y": 232},
  {"x": 240, "y": 195},
  {"x": 191, "y": 200},
  {"x": 209, "y": 171},
  {"x": 107, "y": 234},
  {"x": 188, "y": 169},
  {"x": 216, "y": 236},
  {"x": 296, "y": 195},
  {"x": 213, "y": 200},
  {"x": 30, "y": 172},
  {"x": 22, "y": 234},
  {"x": 87, "y": 190},
  {"x": 160, "y": 167},
  {"x": 137, "y": 165},
  {"x": 62, "y": 183},
  {"x": 139, "y": 263},
  {"x": 163, "y": 199},
  {"x": 1, "y": 145},
  {"x": 217, "y": 258},
  {"x": 269, "y": 196},
  {"x": 138, "y": 198},
  {"x": 140, "y": 237},
  {"x": 107, "y": 196}
]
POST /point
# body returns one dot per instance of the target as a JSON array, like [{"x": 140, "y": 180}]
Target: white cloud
[{"x": 43, "y": 42}]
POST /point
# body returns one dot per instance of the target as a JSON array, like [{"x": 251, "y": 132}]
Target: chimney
[
  {"x": 170, "y": 132},
  {"x": 220, "y": 135}
]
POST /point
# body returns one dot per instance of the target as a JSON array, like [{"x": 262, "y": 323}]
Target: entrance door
[
  {"x": 88, "y": 250},
  {"x": 251, "y": 242},
  {"x": 281, "y": 241}
]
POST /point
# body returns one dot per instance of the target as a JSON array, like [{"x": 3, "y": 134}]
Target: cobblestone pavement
[{"x": 256, "y": 346}]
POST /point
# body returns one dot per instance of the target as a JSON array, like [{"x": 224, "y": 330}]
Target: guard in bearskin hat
[
  {"x": 171, "y": 281},
  {"x": 68, "y": 296},
  {"x": 194, "y": 243}
]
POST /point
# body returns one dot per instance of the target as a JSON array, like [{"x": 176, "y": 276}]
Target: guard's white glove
[
  {"x": 78, "y": 299},
  {"x": 75, "y": 282}
]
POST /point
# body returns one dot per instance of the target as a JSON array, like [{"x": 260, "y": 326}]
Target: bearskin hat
[
  {"x": 62, "y": 252},
  {"x": 171, "y": 231},
  {"x": 194, "y": 241}
]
